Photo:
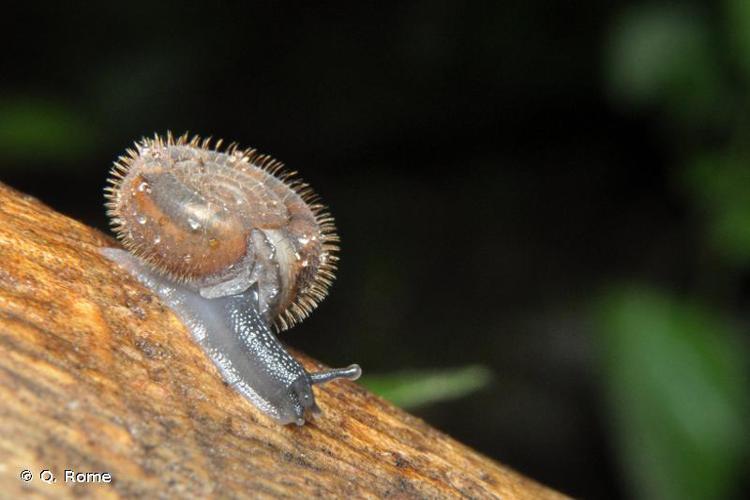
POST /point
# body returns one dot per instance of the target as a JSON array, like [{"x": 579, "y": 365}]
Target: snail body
[{"x": 237, "y": 249}]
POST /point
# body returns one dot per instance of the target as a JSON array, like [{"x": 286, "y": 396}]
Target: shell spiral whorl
[{"x": 220, "y": 220}]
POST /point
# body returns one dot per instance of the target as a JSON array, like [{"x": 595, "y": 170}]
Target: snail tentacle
[{"x": 351, "y": 372}]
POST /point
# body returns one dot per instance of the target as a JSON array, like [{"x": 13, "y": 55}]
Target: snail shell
[
  {"x": 206, "y": 217},
  {"x": 234, "y": 245}
]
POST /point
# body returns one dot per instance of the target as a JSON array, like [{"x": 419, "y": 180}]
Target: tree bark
[{"x": 96, "y": 375}]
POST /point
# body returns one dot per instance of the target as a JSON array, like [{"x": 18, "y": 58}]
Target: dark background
[{"x": 553, "y": 192}]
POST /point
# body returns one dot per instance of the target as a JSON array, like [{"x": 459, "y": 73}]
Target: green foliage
[
  {"x": 738, "y": 21},
  {"x": 414, "y": 388},
  {"x": 720, "y": 186},
  {"x": 663, "y": 55},
  {"x": 40, "y": 130},
  {"x": 676, "y": 381},
  {"x": 677, "y": 392}
]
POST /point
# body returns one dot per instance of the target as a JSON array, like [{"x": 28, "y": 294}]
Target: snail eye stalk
[{"x": 351, "y": 372}]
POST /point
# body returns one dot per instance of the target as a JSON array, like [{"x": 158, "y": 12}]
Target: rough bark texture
[{"x": 97, "y": 375}]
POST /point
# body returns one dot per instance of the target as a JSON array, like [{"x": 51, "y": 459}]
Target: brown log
[{"x": 96, "y": 375}]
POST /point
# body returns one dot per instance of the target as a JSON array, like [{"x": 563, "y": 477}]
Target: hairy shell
[{"x": 219, "y": 220}]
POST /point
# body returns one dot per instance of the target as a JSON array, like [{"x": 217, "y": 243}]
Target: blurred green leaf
[
  {"x": 678, "y": 394},
  {"x": 720, "y": 187},
  {"x": 662, "y": 54},
  {"x": 41, "y": 130},
  {"x": 738, "y": 21},
  {"x": 413, "y": 388}
]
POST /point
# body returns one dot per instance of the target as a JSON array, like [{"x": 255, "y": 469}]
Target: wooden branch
[{"x": 96, "y": 375}]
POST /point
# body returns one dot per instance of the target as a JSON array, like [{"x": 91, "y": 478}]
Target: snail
[{"x": 238, "y": 248}]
